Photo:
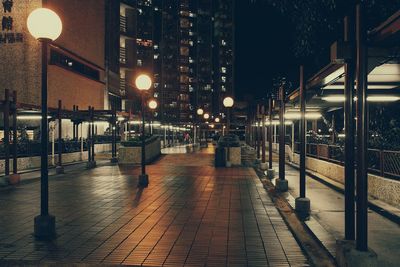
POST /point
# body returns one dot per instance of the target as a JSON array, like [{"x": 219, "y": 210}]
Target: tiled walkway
[{"x": 191, "y": 214}]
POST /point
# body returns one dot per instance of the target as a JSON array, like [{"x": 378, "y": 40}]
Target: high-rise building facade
[
  {"x": 223, "y": 59},
  {"x": 185, "y": 45}
]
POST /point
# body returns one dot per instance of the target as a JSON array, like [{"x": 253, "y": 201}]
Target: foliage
[
  {"x": 318, "y": 23},
  {"x": 384, "y": 133}
]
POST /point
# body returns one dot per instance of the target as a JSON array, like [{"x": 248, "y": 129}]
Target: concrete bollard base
[
  {"x": 91, "y": 164},
  {"x": 143, "y": 181},
  {"x": 348, "y": 256},
  {"x": 45, "y": 227},
  {"x": 271, "y": 174},
  {"x": 59, "y": 170},
  {"x": 281, "y": 185},
  {"x": 264, "y": 166},
  {"x": 302, "y": 207},
  {"x": 228, "y": 164}
]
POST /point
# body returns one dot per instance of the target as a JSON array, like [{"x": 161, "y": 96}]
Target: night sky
[{"x": 263, "y": 47}]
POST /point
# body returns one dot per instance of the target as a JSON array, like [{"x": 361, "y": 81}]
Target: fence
[
  {"x": 33, "y": 148},
  {"x": 385, "y": 163}
]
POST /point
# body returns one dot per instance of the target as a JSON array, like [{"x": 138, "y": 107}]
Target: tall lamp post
[
  {"x": 228, "y": 104},
  {"x": 199, "y": 112},
  {"x": 206, "y": 116},
  {"x": 143, "y": 83},
  {"x": 45, "y": 26},
  {"x": 152, "y": 106}
]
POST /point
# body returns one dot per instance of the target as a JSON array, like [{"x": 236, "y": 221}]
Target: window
[{"x": 66, "y": 62}]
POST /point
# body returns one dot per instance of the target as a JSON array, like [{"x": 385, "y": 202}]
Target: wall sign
[{"x": 7, "y": 35}]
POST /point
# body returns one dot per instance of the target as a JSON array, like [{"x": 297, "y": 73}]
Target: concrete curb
[{"x": 317, "y": 254}]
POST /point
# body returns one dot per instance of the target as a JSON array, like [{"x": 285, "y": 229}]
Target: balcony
[
  {"x": 122, "y": 86},
  {"x": 122, "y": 55},
  {"x": 123, "y": 24}
]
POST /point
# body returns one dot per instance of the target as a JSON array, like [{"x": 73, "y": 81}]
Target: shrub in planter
[{"x": 137, "y": 141}]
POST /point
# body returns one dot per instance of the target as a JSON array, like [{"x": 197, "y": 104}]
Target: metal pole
[
  {"x": 258, "y": 137},
  {"x": 15, "y": 138},
  {"x": 263, "y": 136},
  {"x": 44, "y": 224},
  {"x": 44, "y": 136},
  {"x": 349, "y": 133},
  {"x": 333, "y": 130},
  {"x": 143, "y": 139},
  {"x": 59, "y": 134},
  {"x": 270, "y": 135},
  {"x": 281, "y": 134},
  {"x": 52, "y": 129},
  {"x": 362, "y": 132},
  {"x": 89, "y": 138},
  {"x": 165, "y": 136},
  {"x": 6, "y": 119},
  {"x": 81, "y": 140},
  {"x": 93, "y": 134},
  {"x": 292, "y": 140},
  {"x": 73, "y": 126},
  {"x": 143, "y": 178},
  {"x": 228, "y": 131},
  {"x": 302, "y": 135}
]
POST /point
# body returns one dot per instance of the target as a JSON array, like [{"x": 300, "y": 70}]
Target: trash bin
[{"x": 219, "y": 156}]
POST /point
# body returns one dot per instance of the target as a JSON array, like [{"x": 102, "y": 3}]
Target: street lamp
[
  {"x": 152, "y": 105},
  {"x": 45, "y": 26},
  {"x": 143, "y": 83},
  {"x": 217, "y": 120},
  {"x": 206, "y": 116},
  {"x": 228, "y": 104},
  {"x": 199, "y": 112}
]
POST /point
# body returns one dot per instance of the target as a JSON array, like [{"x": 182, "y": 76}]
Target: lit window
[
  {"x": 223, "y": 69},
  {"x": 139, "y": 62}
]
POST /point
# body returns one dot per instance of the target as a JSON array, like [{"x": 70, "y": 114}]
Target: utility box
[{"x": 219, "y": 156}]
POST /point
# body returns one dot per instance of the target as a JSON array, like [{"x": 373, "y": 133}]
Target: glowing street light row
[{"x": 371, "y": 98}]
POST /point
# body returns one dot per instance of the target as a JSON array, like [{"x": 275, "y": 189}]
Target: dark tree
[{"x": 318, "y": 23}]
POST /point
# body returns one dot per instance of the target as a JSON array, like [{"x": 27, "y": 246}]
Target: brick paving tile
[{"x": 192, "y": 214}]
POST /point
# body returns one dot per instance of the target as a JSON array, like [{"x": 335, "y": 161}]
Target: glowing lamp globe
[
  {"x": 143, "y": 82},
  {"x": 44, "y": 23},
  {"x": 228, "y": 102},
  {"x": 153, "y": 104},
  {"x": 216, "y": 120},
  {"x": 200, "y": 111},
  {"x": 206, "y": 116}
]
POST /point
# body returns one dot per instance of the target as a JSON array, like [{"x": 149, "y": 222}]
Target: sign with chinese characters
[{"x": 7, "y": 34}]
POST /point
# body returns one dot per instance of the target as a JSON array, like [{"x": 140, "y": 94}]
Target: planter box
[
  {"x": 133, "y": 155},
  {"x": 235, "y": 155}
]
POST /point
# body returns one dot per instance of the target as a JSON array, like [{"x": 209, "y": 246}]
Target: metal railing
[
  {"x": 33, "y": 148},
  {"x": 385, "y": 163},
  {"x": 122, "y": 55},
  {"x": 123, "y": 24}
]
